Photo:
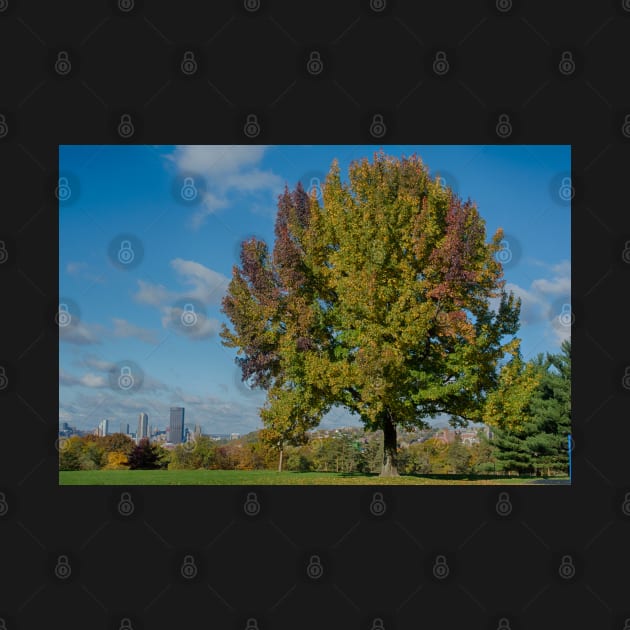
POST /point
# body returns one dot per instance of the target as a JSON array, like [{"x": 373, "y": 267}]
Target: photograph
[{"x": 314, "y": 315}]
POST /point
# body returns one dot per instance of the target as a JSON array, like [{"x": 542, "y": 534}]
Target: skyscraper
[
  {"x": 176, "y": 426},
  {"x": 103, "y": 427},
  {"x": 143, "y": 426},
  {"x": 124, "y": 427}
]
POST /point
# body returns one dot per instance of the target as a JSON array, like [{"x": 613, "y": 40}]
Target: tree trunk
[
  {"x": 280, "y": 459},
  {"x": 389, "y": 448}
]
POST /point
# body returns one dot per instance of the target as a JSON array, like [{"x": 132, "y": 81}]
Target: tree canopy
[{"x": 385, "y": 298}]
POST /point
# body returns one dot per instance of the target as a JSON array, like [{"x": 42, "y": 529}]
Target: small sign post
[{"x": 569, "y": 446}]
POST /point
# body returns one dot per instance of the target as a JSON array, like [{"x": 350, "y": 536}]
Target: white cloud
[
  {"x": 563, "y": 268},
  {"x": 212, "y": 203},
  {"x": 560, "y": 285},
  {"x": 80, "y": 269},
  {"x": 562, "y": 333},
  {"x": 208, "y": 285},
  {"x": 94, "y": 362},
  {"x": 204, "y": 327},
  {"x": 87, "y": 380},
  {"x": 560, "y": 282},
  {"x": 74, "y": 268},
  {"x": 216, "y": 161},
  {"x": 227, "y": 170},
  {"x": 125, "y": 329},
  {"x": 152, "y": 294},
  {"x": 93, "y": 380},
  {"x": 81, "y": 334},
  {"x": 532, "y": 303},
  {"x": 541, "y": 302}
]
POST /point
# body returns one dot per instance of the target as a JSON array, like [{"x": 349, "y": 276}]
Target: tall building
[
  {"x": 143, "y": 426},
  {"x": 103, "y": 428},
  {"x": 124, "y": 428},
  {"x": 176, "y": 426}
]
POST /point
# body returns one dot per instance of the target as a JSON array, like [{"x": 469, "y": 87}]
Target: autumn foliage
[{"x": 386, "y": 298}]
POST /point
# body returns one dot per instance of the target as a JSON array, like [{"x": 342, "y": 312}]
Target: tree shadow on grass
[{"x": 466, "y": 477}]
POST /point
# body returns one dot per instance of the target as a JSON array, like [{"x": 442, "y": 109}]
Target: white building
[{"x": 103, "y": 428}]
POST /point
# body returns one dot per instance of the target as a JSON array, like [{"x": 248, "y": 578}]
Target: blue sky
[{"x": 126, "y": 312}]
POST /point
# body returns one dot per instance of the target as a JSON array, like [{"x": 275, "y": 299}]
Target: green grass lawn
[{"x": 272, "y": 477}]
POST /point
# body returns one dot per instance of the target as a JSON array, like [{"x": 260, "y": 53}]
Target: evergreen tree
[
  {"x": 144, "y": 456},
  {"x": 551, "y": 407},
  {"x": 539, "y": 443}
]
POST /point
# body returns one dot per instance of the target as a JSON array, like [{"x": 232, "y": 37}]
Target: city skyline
[
  {"x": 140, "y": 259},
  {"x": 104, "y": 428}
]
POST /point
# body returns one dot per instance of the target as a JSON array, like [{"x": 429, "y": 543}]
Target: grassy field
[{"x": 271, "y": 477}]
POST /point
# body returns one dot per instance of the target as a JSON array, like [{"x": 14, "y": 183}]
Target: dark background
[{"x": 377, "y": 59}]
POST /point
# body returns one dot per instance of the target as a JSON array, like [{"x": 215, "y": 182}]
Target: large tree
[{"x": 385, "y": 298}]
